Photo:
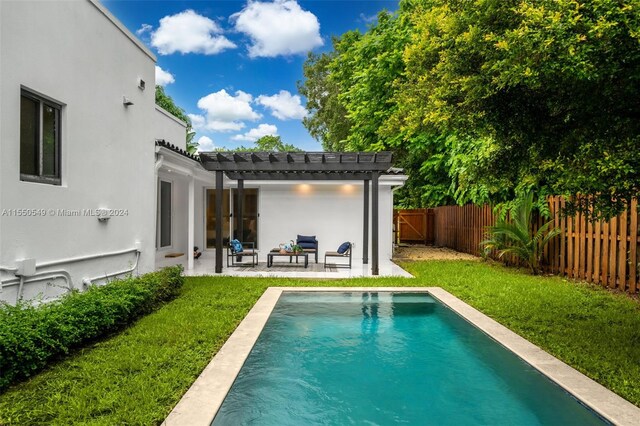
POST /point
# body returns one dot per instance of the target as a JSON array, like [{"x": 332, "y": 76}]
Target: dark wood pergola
[{"x": 241, "y": 166}]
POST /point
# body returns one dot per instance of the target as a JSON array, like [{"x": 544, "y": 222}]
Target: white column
[{"x": 191, "y": 221}]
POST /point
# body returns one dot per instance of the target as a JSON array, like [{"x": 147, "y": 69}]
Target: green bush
[
  {"x": 30, "y": 337},
  {"x": 517, "y": 235}
]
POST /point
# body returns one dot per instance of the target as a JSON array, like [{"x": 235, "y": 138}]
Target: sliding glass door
[
  {"x": 249, "y": 216},
  {"x": 229, "y": 207},
  {"x": 211, "y": 201}
]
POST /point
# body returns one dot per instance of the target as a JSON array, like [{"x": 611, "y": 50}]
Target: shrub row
[{"x": 30, "y": 337}]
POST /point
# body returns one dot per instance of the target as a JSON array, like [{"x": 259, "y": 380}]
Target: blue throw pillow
[
  {"x": 236, "y": 246},
  {"x": 306, "y": 239},
  {"x": 307, "y": 245},
  {"x": 344, "y": 247}
]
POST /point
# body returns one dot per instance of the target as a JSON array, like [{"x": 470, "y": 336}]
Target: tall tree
[
  {"x": 552, "y": 87},
  {"x": 270, "y": 143},
  {"x": 166, "y": 102},
  {"x": 327, "y": 120},
  {"x": 485, "y": 100},
  {"x": 350, "y": 98}
]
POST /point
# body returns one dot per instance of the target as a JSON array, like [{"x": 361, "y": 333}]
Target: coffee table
[{"x": 273, "y": 254}]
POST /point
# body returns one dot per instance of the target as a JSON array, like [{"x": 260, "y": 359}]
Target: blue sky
[{"x": 233, "y": 65}]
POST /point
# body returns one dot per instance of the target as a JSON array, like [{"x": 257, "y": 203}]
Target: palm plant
[{"x": 516, "y": 236}]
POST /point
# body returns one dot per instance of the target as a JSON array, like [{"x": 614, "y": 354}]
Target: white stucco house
[{"x": 94, "y": 179}]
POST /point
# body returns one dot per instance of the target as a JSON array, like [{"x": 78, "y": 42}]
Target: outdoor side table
[{"x": 273, "y": 254}]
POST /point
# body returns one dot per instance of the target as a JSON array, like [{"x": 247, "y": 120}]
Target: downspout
[{"x": 19, "y": 296}]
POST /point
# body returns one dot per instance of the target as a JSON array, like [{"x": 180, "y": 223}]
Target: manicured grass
[{"x": 136, "y": 377}]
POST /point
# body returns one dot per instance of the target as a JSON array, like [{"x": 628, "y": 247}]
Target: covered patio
[
  {"x": 343, "y": 191},
  {"x": 299, "y": 166},
  {"x": 336, "y": 196}
]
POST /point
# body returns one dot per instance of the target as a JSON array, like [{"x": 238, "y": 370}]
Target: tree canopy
[
  {"x": 270, "y": 143},
  {"x": 487, "y": 99}
]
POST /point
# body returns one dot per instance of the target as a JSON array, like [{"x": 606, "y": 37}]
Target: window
[
  {"x": 165, "y": 214},
  {"x": 39, "y": 139}
]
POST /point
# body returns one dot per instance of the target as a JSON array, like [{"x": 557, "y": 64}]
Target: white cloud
[
  {"x": 278, "y": 28},
  {"x": 163, "y": 77},
  {"x": 224, "y": 112},
  {"x": 222, "y": 106},
  {"x": 205, "y": 143},
  {"x": 368, "y": 19},
  {"x": 188, "y": 32},
  {"x": 197, "y": 121},
  {"x": 224, "y": 126},
  {"x": 256, "y": 133},
  {"x": 284, "y": 105},
  {"x": 144, "y": 28}
]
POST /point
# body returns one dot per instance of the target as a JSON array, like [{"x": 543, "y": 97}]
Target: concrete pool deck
[{"x": 202, "y": 401}]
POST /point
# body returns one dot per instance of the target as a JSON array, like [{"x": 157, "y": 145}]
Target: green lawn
[{"x": 138, "y": 375}]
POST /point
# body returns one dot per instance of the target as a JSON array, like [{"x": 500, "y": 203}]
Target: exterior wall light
[
  {"x": 126, "y": 101},
  {"x": 303, "y": 188},
  {"x": 348, "y": 188},
  {"x": 104, "y": 215}
]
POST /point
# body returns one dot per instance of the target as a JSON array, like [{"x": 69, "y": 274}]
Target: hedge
[{"x": 32, "y": 336}]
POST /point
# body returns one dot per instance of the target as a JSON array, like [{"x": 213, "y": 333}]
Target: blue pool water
[{"x": 387, "y": 359}]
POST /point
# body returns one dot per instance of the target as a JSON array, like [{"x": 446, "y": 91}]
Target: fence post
[
  {"x": 633, "y": 246},
  {"x": 622, "y": 252}
]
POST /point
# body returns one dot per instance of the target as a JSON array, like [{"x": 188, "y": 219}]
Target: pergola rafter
[
  {"x": 308, "y": 162},
  {"x": 313, "y": 166}
]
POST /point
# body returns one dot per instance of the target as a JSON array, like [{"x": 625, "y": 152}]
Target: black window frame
[
  {"x": 39, "y": 178},
  {"x": 162, "y": 216}
]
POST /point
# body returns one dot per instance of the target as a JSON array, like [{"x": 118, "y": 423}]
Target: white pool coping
[{"x": 202, "y": 401}]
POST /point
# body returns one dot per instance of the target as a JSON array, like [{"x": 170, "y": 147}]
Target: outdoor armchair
[
  {"x": 347, "y": 254},
  {"x": 248, "y": 249}
]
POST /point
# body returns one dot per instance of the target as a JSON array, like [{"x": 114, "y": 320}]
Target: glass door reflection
[
  {"x": 211, "y": 218},
  {"x": 249, "y": 216}
]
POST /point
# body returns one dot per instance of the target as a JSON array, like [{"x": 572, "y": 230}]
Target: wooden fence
[
  {"x": 414, "y": 226},
  {"x": 602, "y": 252}
]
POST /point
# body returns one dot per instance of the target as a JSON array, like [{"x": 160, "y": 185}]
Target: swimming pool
[{"x": 386, "y": 358}]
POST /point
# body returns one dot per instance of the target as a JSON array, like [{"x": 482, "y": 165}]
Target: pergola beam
[
  {"x": 296, "y": 162},
  {"x": 293, "y": 167},
  {"x": 298, "y": 176}
]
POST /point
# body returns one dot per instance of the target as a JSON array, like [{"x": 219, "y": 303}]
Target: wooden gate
[{"x": 414, "y": 226}]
